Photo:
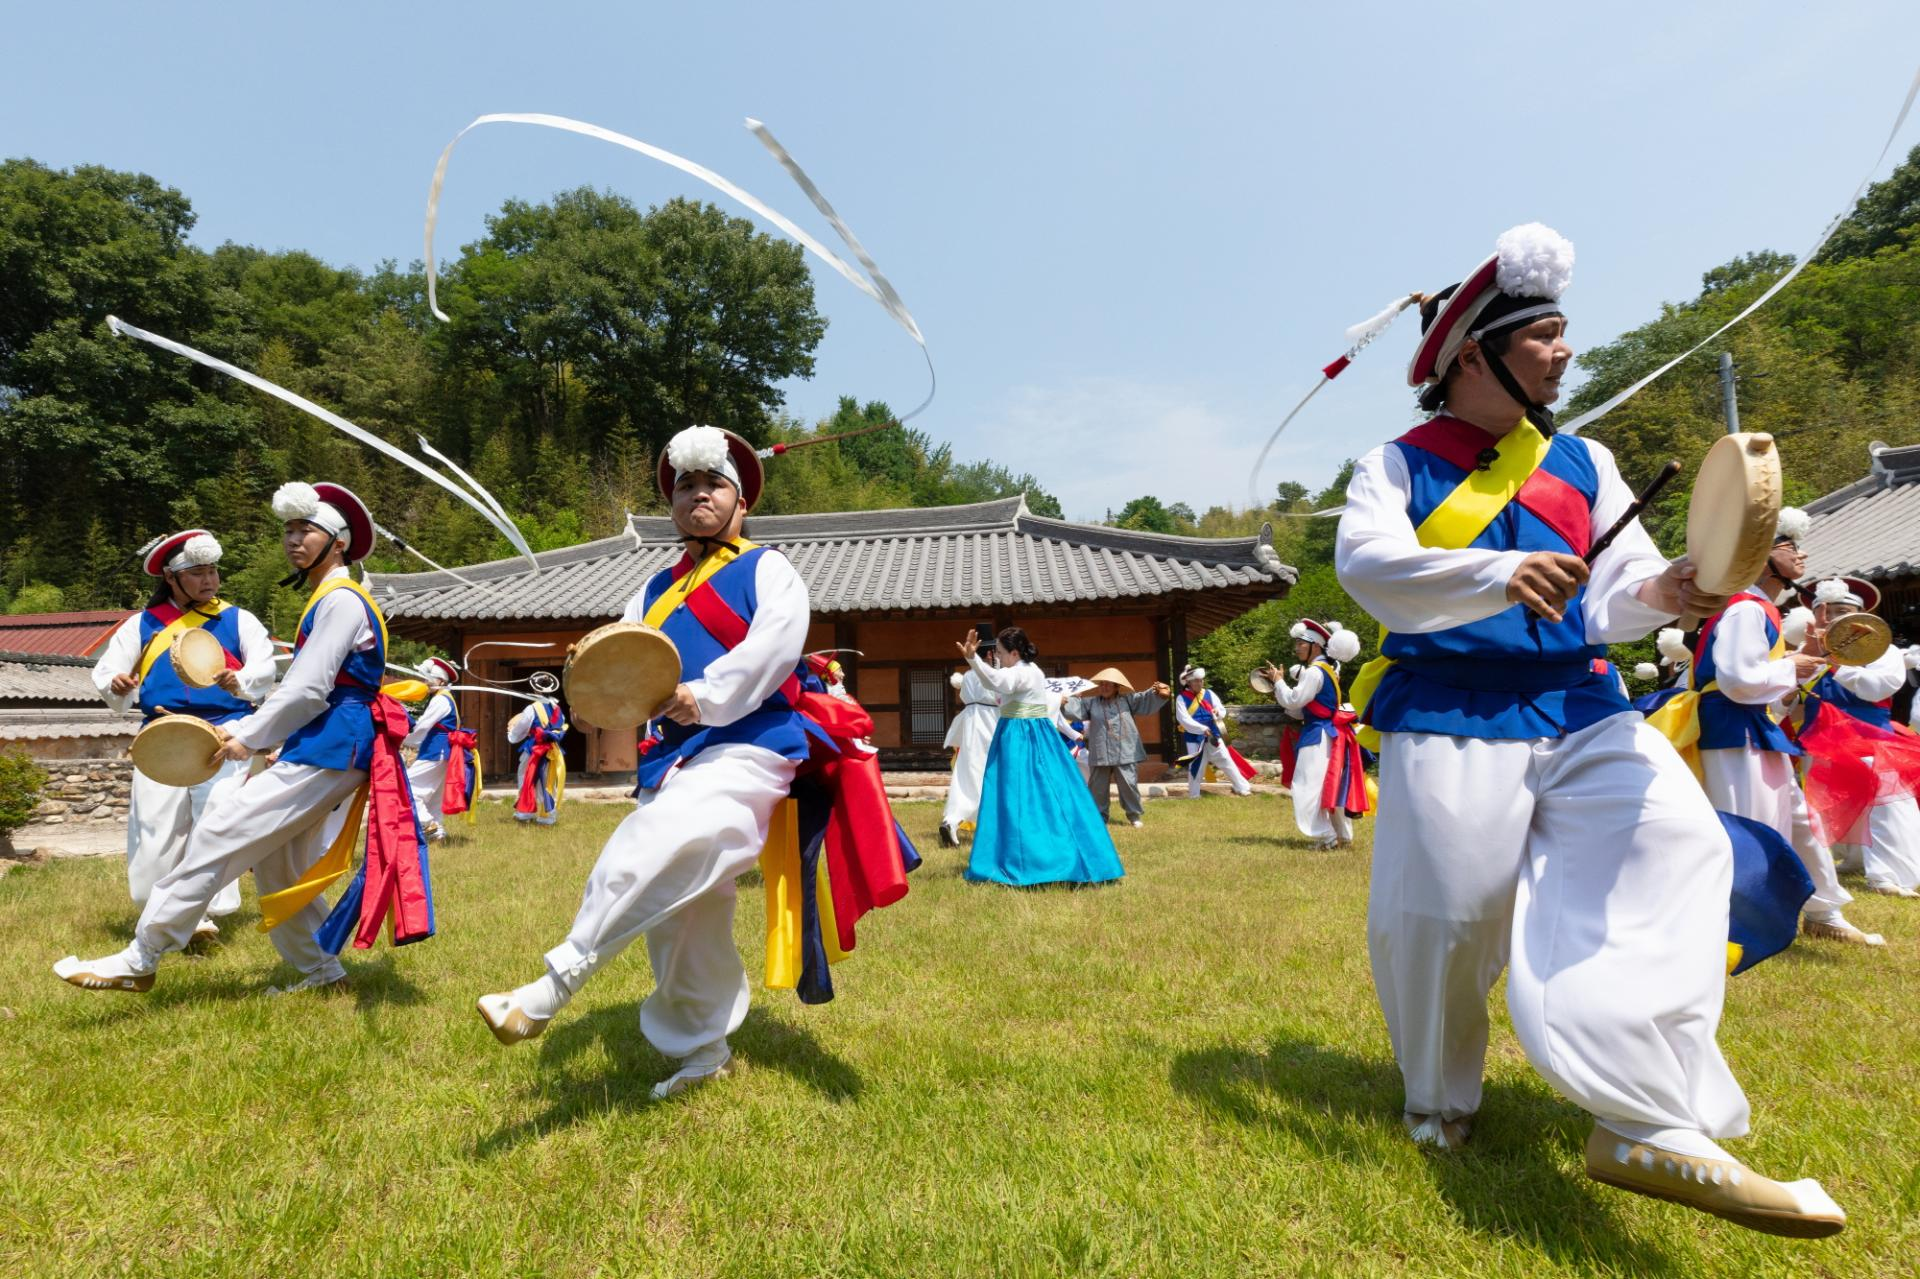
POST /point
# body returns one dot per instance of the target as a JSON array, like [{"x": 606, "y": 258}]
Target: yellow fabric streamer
[
  {"x": 336, "y": 864},
  {"x": 1462, "y": 516},
  {"x": 1678, "y": 719},
  {"x": 676, "y": 594},
  {"x": 192, "y": 620},
  {"x": 780, "y": 876},
  {"x": 405, "y": 690}
]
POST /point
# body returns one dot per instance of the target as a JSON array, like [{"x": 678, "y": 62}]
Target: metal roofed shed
[{"x": 899, "y": 585}]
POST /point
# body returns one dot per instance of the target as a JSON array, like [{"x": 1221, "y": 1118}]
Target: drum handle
[{"x": 1647, "y": 494}]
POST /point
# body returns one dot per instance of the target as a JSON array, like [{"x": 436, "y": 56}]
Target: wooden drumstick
[{"x": 1639, "y": 504}]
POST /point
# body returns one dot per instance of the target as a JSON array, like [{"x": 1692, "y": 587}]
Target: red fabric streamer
[
  {"x": 528, "y": 800},
  {"x": 453, "y": 796},
  {"x": 1344, "y": 761},
  {"x": 1289, "y": 749},
  {"x": 1851, "y": 765},
  {"x": 395, "y": 870}
]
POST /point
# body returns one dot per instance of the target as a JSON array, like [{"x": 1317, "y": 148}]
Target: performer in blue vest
[
  {"x": 334, "y": 730},
  {"x": 1529, "y": 820},
  {"x": 1885, "y": 842},
  {"x": 539, "y": 732},
  {"x": 727, "y": 755},
  {"x": 135, "y": 668},
  {"x": 1202, "y": 719},
  {"x": 1329, "y": 779},
  {"x": 432, "y": 747},
  {"x": 1741, "y": 668}
]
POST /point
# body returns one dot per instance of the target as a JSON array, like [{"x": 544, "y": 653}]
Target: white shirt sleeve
[
  {"x": 1877, "y": 680},
  {"x": 1614, "y": 613},
  {"x": 256, "y": 659},
  {"x": 736, "y": 683},
  {"x": 119, "y": 656},
  {"x": 998, "y": 682},
  {"x": 636, "y": 607},
  {"x": 1304, "y": 690},
  {"x": 1186, "y": 721},
  {"x": 437, "y": 708},
  {"x": 1742, "y": 669},
  {"x": 340, "y": 628}
]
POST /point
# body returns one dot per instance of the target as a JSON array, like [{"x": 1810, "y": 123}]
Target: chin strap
[
  {"x": 296, "y": 578},
  {"x": 708, "y": 545},
  {"x": 1539, "y": 414}
]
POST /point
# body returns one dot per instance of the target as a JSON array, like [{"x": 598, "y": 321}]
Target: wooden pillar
[
  {"x": 846, "y": 634},
  {"x": 1172, "y": 643}
]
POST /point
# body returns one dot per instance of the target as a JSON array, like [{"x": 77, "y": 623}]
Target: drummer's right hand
[
  {"x": 234, "y": 748},
  {"x": 1545, "y": 581},
  {"x": 123, "y": 684},
  {"x": 681, "y": 708}
]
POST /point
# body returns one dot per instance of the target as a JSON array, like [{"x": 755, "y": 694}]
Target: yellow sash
[
  {"x": 1678, "y": 719},
  {"x": 556, "y": 759},
  {"x": 192, "y": 619},
  {"x": 337, "y": 861},
  {"x": 1463, "y": 515},
  {"x": 676, "y": 594}
]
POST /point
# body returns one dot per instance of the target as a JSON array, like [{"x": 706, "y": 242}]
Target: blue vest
[
  {"x": 1829, "y": 689},
  {"x": 774, "y": 726},
  {"x": 435, "y": 745},
  {"x": 1512, "y": 675},
  {"x": 1200, "y": 712},
  {"x": 1315, "y": 728},
  {"x": 162, "y": 689},
  {"x": 554, "y": 725},
  {"x": 1729, "y": 725},
  {"x": 341, "y": 736}
]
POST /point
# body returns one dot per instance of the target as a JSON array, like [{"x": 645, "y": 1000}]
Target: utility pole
[{"x": 1728, "y": 402}]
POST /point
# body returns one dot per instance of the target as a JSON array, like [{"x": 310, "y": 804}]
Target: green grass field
[{"x": 1183, "y": 1074}]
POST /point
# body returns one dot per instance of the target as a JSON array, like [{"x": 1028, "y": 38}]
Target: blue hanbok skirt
[{"x": 1037, "y": 823}]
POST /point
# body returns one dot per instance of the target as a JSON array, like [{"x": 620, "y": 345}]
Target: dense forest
[{"x": 585, "y": 331}]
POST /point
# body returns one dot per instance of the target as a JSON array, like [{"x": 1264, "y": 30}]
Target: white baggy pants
[
  {"x": 159, "y": 819},
  {"x": 1593, "y": 866},
  {"x": 667, "y": 874},
  {"x": 973, "y": 728},
  {"x": 428, "y": 777},
  {"x": 1215, "y": 753},
  {"x": 1885, "y": 843},
  {"x": 1309, "y": 784},
  {"x": 1761, "y": 785},
  {"x": 274, "y": 822}
]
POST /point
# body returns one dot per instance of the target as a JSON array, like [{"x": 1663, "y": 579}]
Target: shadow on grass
[
  {"x": 1507, "y": 1184},
  {"x": 762, "y": 1043}
]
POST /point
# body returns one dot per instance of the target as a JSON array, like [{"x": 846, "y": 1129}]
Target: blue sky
[{"x": 1132, "y": 233}]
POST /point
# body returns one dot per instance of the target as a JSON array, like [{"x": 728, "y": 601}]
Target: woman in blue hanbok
[{"x": 1037, "y": 824}]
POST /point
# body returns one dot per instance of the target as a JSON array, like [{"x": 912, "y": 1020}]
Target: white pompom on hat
[
  {"x": 438, "y": 668},
  {"x": 1793, "y": 627},
  {"x": 1192, "y": 673},
  {"x": 1532, "y": 266},
  {"x": 191, "y": 548},
  {"x": 1792, "y": 526},
  {"x": 1835, "y": 590},
  {"x": 1343, "y": 645},
  {"x": 330, "y": 508},
  {"x": 1646, "y": 671},
  {"x": 719, "y": 452},
  {"x": 1672, "y": 643}
]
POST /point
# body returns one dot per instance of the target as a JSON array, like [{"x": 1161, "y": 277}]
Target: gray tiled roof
[
  {"x": 42, "y": 677},
  {"x": 979, "y": 555},
  {"x": 1870, "y": 528},
  {"x": 23, "y": 723}
]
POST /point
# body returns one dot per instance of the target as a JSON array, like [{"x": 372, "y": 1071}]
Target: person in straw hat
[
  {"x": 432, "y": 745},
  {"x": 1329, "y": 781},
  {"x": 1885, "y": 842},
  {"x": 1529, "y": 820},
  {"x": 134, "y": 668},
  {"x": 1202, "y": 718},
  {"x": 335, "y": 731},
  {"x": 728, "y": 753},
  {"x": 1742, "y": 666},
  {"x": 1113, "y": 743}
]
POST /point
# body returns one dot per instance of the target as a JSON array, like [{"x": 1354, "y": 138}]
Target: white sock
[
  {"x": 541, "y": 998},
  {"x": 1678, "y": 1141}
]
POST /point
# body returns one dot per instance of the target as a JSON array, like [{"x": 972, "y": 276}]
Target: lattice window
[{"x": 927, "y": 706}]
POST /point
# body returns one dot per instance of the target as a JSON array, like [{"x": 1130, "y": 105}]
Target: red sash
[
  {"x": 528, "y": 800},
  {"x": 395, "y": 869},
  {"x": 1557, "y": 504},
  {"x": 1345, "y": 786},
  {"x": 1852, "y": 765},
  {"x": 1289, "y": 747},
  {"x": 453, "y": 796}
]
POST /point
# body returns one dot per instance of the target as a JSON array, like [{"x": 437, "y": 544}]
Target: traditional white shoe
[
  {"x": 1134, "y": 822},
  {"x": 1726, "y": 1188},
  {"x": 1838, "y": 929},
  {"x": 1442, "y": 1134},
  {"x": 332, "y": 979},
  {"x": 434, "y": 832},
  {"x": 206, "y": 928},
  {"x": 1886, "y": 889},
  {"x": 114, "y": 972},
  {"x": 692, "y": 1075},
  {"x": 508, "y": 1021}
]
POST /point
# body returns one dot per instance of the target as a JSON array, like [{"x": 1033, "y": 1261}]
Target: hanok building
[
  {"x": 1871, "y": 529},
  {"x": 897, "y": 589}
]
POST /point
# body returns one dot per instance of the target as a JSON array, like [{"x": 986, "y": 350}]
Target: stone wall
[
  {"x": 81, "y": 792},
  {"x": 1256, "y": 730}
]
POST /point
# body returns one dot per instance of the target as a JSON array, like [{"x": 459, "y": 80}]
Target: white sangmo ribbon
[
  {"x": 873, "y": 282},
  {"x": 506, "y": 526},
  {"x": 1599, "y": 411}
]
